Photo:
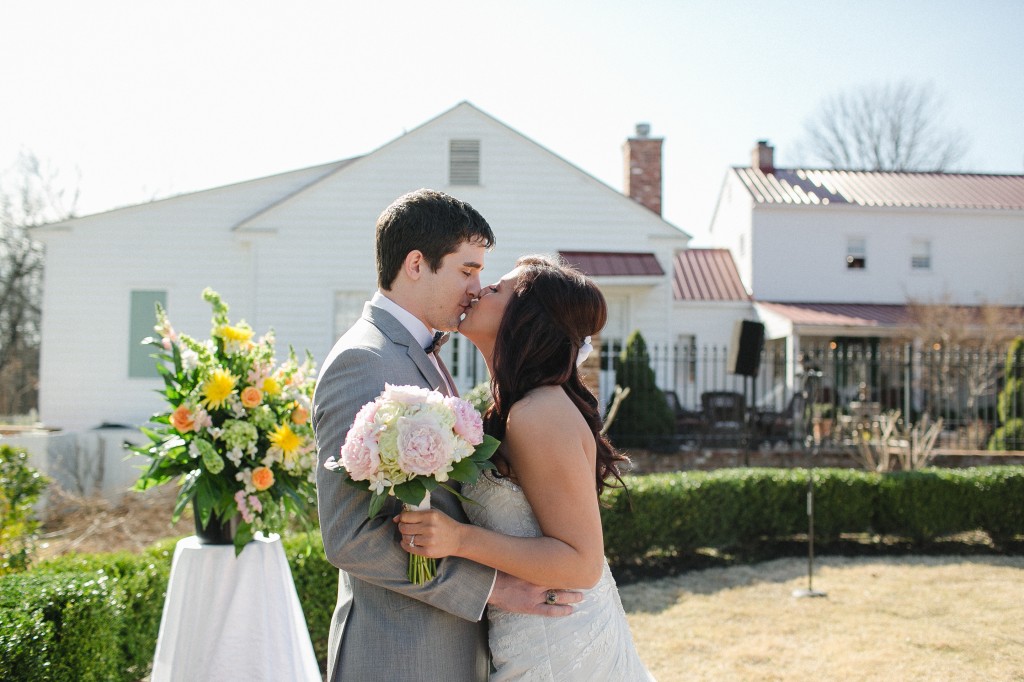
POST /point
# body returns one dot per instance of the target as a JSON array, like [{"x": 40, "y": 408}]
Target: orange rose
[
  {"x": 182, "y": 419},
  {"x": 251, "y": 396},
  {"x": 262, "y": 478},
  {"x": 300, "y": 415}
]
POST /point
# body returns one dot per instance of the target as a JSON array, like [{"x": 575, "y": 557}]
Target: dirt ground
[{"x": 87, "y": 525}]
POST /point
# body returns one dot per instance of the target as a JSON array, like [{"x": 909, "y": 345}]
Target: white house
[
  {"x": 838, "y": 256},
  {"x": 294, "y": 252}
]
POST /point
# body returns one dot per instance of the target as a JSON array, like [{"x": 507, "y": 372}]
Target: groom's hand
[{"x": 518, "y": 596}]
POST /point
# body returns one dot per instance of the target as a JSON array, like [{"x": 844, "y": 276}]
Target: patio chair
[{"x": 725, "y": 415}]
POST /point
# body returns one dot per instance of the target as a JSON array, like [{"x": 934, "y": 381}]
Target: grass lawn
[{"x": 884, "y": 618}]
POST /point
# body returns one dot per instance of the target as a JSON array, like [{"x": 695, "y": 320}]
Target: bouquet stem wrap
[{"x": 421, "y": 569}]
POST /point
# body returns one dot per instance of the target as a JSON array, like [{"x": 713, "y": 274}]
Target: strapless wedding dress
[{"x": 591, "y": 645}]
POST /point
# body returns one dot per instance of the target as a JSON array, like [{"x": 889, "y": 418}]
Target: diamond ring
[{"x": 551, "y": 597}]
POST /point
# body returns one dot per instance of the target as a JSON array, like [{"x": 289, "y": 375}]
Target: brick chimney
[
  {"x": 642, "y": 156},
  {"x": 763, "y": 157}
]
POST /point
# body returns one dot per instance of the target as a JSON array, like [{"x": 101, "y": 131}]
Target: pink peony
[
  {"x": 424, "y": 447},
  {"x": 366, "y": 413},
  {"x": 468, "y": 423},
  {"x": 407, "y": 395},
  {"x": 360, "y": 455}
]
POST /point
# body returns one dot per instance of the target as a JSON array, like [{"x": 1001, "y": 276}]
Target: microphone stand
[{"x": 811, "y": 377}]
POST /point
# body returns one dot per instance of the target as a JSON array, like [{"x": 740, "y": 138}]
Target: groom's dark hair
[{"x": 428, "y": 221}]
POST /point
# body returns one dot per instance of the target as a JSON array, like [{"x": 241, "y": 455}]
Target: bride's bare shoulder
[{"x": 545, "y": 404}]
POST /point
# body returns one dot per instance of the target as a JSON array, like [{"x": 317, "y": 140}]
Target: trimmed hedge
[
  {"x": 663, "y": 514},
  {"x": 96, "y": 617},
  {"x": 83, "y": 617}
]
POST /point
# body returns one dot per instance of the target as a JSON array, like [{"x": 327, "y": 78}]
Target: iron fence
[{"x": 838, "y": 385}]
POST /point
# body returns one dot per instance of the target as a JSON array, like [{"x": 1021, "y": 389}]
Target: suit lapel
[{"x": 399, "y": 335}]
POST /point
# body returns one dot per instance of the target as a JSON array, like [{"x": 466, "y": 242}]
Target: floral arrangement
[
  {"x": 406, "y": 443},
  {"x": 236, "y": 431}
]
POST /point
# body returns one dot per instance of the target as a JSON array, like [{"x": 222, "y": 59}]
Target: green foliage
[
  {"x": 20, "y": 488},
  {"x": 480, "y": 397},
  {"x": 73, "y": 614},
  {"x": 682, "y": 512},
  {"x": 644, "y": 418},
  {"x": 1010, "y": 405}
]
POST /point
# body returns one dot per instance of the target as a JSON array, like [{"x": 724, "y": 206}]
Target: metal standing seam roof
[
  {"x": 885, "y": 189},
  {"x": 707, "y": 275},
  {"x": 613, "y": 263},
  {"x": 880, "y": 315}
]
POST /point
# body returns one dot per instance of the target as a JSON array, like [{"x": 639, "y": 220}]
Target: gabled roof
[
  {"x": 797, "y": 186},
  {"x": 613, "y": 263},
  {"x": 707, "y": 275}
]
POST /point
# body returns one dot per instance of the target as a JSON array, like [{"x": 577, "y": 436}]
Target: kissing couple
[{"x": 523, "y": 590}]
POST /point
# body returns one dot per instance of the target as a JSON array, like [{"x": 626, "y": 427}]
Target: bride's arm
[{"x": 552, "y": 453}]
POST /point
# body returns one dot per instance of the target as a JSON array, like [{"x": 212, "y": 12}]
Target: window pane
[
  {"x": 856, "y": 253},
  {"x": 348, "y": 307},
  {"x": 143, "y": 319},
  {"x": 921, "y": 254}
]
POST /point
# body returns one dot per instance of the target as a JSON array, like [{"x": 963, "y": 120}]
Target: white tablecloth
[{"x": 233, "y": 619}]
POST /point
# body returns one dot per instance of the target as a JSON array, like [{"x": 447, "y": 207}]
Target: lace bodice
[{"x": 592, "y": 644}]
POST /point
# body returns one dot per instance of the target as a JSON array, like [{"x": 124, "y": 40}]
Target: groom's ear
[{"x": 413, "y": 264}]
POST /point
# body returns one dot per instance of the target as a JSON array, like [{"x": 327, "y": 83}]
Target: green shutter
[{"x": 140, "y": 364}]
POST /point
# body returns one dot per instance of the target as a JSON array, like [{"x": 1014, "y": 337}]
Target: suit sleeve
[{"x": 368, "y": 549}]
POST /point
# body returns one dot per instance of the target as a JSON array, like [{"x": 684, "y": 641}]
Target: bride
[{"x": 538, "y": 518}]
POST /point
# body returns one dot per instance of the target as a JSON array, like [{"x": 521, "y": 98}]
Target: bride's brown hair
[{"x": 553, "y": 307}]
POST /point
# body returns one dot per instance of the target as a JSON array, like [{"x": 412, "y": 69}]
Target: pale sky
[{"x": 150, "y": 99}]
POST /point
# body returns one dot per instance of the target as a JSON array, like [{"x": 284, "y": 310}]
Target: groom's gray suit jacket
[{"x": 384, "y": 627}]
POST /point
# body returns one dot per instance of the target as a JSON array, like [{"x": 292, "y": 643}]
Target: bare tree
[
  {"x": 892, "y": 127},
  {"x": 966, "y": 348},
  {"x": 30, "y": 195}
]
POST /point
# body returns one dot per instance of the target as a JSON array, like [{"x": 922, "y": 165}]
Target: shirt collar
[{"x": 419, "y": 331}]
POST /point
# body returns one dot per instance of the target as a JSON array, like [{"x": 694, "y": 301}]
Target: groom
[{"x": 430, "y": 251}]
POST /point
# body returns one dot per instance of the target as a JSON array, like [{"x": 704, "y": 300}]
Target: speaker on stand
[{"x": 745, "y": 360}]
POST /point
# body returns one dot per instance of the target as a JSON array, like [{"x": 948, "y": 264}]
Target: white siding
[
  {"x": 801, "y": 252},
  {"x": 279, "y": 263}
]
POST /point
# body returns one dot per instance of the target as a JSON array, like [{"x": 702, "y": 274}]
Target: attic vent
[{"x": 464, "y": 162}]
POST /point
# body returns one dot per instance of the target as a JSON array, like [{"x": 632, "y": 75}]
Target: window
[
  {"x": 348, "y": 307},
  {"x": 856, "y": 253},
  {"x": 143, "y": 318},
  {"x": 921, "y": 254},
  {"x": 686, "y": 359},
  {"x": 464, "y": 162}
]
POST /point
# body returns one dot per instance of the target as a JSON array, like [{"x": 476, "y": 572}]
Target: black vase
[{"x": 218, "y": 531}]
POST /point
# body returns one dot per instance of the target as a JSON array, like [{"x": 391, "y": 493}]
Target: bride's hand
[{"x": 430, "y": 533}]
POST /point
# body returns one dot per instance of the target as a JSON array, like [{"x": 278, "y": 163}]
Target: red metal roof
[
  {"x": 887, "y": 189},
  {"x": 707, "y": 275},
  {"x": 873, "y": 314},
  {"x": 613, "y": 263}
]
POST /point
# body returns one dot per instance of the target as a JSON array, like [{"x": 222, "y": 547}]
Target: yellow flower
[
  {"x": 286, "y": 440},
  {"x": 271, "y": 387},
  {"x": 236, "y": 335},
  {"x": 218, "y": 388}
]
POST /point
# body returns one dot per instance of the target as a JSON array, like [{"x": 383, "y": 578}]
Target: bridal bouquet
[
  {"x": 406, "y": 443},
  {"x": 235, "y": 430}
]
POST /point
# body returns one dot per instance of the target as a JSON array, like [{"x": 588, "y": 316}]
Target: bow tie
[{"x": 440, "y": 338}]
